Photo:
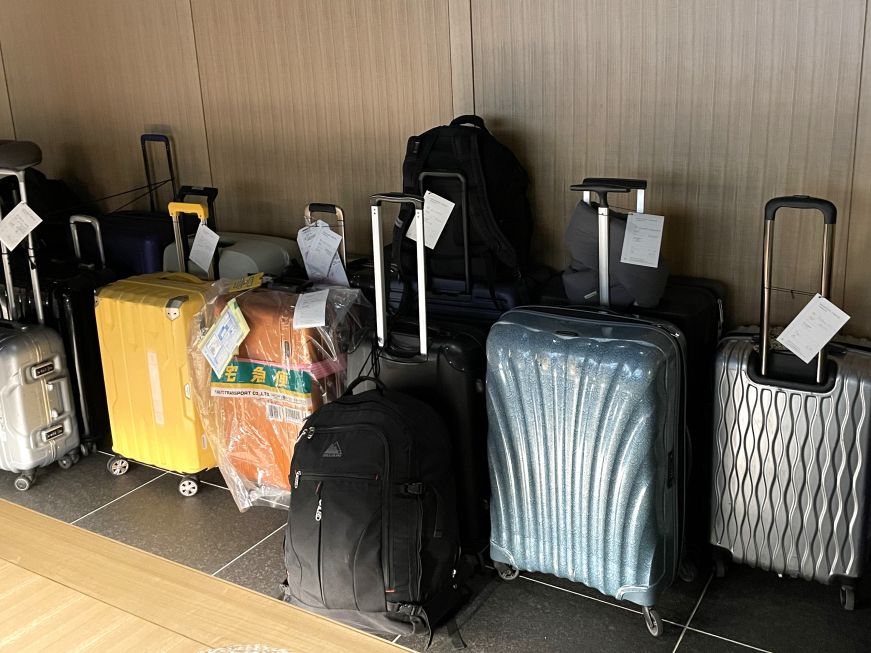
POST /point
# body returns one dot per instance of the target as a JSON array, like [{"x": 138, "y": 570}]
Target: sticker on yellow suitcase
[{"x": 224, "y": 337}]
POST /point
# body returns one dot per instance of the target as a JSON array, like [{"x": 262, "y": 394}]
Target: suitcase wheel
[
  {"x": 653, "y": 621},
  {"x": 118, "y": 466},
  {"x": 24, "y": 481},
  {"x": 506, "y": 572},
  {"x": 188, "y": 486},
  {"x": 848, "y": 597},
  {"x": 687, "y": 571},
  {"x": 67, "y": 461}
]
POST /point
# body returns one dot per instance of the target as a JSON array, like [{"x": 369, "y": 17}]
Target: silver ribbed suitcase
[
  {"x": 586, "y": 446},
  {"x": 791, "y": 489},
  {"x": 37, "y": 416}
]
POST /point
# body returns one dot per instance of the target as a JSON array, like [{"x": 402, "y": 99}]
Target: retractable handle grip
[
  {"x": 416, "y": 201},
  {"x": 830, "y": 213},
  {"x": 330, "y": 209},
  {"x": 176, "y": 209},
  {"x": 397, "y": 198},
  {"x": 76, "y": 220},
  {"x": 830, "y": 217}
]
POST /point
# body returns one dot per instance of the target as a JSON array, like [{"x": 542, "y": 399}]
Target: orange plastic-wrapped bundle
[{"x": 253, "y": 412}]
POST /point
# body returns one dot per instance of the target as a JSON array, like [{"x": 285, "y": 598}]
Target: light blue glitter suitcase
[{"x": 586, "y": 448}]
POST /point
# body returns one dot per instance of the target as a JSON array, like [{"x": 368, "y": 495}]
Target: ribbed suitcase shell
[
  {"x": 791, "y": 486},
  {"x": 37, "y": 417},
  {"x": 585, "y": 449},
  {"x": 145, "y": 366}
]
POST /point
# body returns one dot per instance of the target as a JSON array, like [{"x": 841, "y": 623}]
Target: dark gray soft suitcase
[
  {"x": 791, "y": 487},
  {"x": 586, "y": 446}
]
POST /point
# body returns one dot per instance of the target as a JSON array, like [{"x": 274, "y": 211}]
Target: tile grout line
[
  {"x": 138, "y": 487},
  {"x": 693, "y": 613},
  {"x": 726, "y": 639},
  {"x": 592, "y": 598},
  {"x": 248, "y": 550}
]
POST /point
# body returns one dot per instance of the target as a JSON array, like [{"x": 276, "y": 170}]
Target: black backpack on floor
[
  {"x": 464, "y": 155},
  {"x": 372, "y": 535}
]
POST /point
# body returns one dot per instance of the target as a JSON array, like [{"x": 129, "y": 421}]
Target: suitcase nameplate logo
[
  {"x": 42, "y": 369},
  {"x": 53, "y": 433}
]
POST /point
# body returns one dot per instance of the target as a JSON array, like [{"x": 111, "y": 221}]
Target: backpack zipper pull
[
  {"x": 296, "y": 479},
  {"x": 311, "y": 432}
]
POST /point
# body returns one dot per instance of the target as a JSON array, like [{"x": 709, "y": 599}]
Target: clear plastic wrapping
[{"x": 252, "y": 414}]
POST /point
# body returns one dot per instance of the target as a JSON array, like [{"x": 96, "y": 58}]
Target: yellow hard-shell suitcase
[{"x": 143, "y": 324}]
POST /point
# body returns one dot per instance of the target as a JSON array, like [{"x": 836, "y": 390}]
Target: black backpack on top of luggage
[
  {"x": 494, "y": 190},
  {"x": 372, "y": 535}
]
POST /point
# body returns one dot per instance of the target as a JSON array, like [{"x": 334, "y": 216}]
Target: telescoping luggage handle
[
  {"x": 144, "y": 140},
  {"x": 331, "y": 209},
  {"x": 830, "y": 215},
  {"x": 378, "y": 246},
  {"x": 175, "y": 210},
  {"x": 602, "y": 186},
  {"x": 76, "y": 220},
  {"x": 30, "y": 155}
]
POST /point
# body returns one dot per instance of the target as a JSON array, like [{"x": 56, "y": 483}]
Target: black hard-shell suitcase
[
  {"x": 70, "y": 288},
  {"x": 444, "y": 365},
  {"x": 697, "y": 307}
]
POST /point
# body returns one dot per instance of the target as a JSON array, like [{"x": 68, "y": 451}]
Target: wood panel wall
[
  {"x": 719, "y": 105},
  {"x": 7, "y": 129},
  {"x": 86, "y": 77},
  {"x": 314, "y": 101},
  {"x": 281, "y": 102}
]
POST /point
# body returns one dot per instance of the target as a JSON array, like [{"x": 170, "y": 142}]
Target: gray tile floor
[{"x": 745, "y": 611}]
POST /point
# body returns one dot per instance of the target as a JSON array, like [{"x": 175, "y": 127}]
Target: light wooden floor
[{"x": 63, "y": 588}]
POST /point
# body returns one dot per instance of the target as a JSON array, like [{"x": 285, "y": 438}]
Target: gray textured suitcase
[
  {"x": 586, "y": 446},
  {"x": 791, "y": 487},
  {"x": 37, "y": 415}
]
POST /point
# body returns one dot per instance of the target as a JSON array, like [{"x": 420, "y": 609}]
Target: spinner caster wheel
[
  {"x": 65, "y": 462},
  {"x": 687, "y": 571},
  {"x": 118, "y": 466},
  {"x": 23, "y": 483},
  {"x": 653, "y": 621},
  {"x": 848, "y": 598},
  {"x": 188, "y": 486},
  {"x": 506, "y": 572},
  {"x": 75, "y": 455},
  {"x": 86, "y": 449}
]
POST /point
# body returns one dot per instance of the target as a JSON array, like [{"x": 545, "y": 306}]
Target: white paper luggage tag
[
  {"x": 19, "y": 222},
  {"x": 436, "y": 211},
  {"x": 203, "y": 249},
  {"x": 642, "y": 240},
  {"x": 813, "y": 328},
  {"x": 319, "y": 246},
  {"x": 223, "y": 339},
  {"x": 311, "y": 310}
]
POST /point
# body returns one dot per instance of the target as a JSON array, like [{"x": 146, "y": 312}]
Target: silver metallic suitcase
[
  {"x": 586, "y": 446},
  {"x": 791, "y": 489},
  {"x": 37, "y": 414}
]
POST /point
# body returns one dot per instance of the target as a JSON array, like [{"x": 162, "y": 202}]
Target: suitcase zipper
[
  {"x": 309, "y": 433},
  {"x": 319, "y": 520}
]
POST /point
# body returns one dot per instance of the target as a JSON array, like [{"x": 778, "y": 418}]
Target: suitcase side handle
[
  {"x": 830, "y": 214},
  {"x": 330, "y": 209},
  {"x": 416, "y": 201},
  {"x": 76, "y": 220}
]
